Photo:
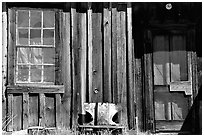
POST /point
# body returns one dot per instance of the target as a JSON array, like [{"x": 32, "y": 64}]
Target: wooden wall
[{"x": 97, "y": 62}]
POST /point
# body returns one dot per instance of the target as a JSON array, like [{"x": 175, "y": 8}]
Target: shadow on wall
[{"x": 197, "y": 110}]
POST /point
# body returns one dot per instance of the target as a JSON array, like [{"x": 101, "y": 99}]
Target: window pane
[
  {"x": 22, "y": 38},
  {"x": 49, "y": 73},
  {"x": 48, "y": 37},
  {"x": 36, "y": 55},
  {"x": 48, "y": 19},
  {"x": 35, "y": 36},
  {"x": 23, "y": 17},
  {"x": 161, "y": 60},
  {"x": 23, "y": 55},
  {"x": 179, "y": 70},
  {"x": 35, "y": 20},
  {"x": 36, "y": 73},
  {"x": 23, "y": 73},
  {"x": 49, "y": 55}
]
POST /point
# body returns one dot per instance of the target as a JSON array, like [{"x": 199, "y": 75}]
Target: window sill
[{"x": 35, "y": 89}]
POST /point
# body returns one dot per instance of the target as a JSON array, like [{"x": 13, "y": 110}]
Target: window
[{"x": 35, "y": 46}]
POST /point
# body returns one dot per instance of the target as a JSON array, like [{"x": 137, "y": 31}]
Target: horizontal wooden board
[{"x": 35, "y": 89}]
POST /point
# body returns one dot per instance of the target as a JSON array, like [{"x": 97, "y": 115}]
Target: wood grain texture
[
  {"x": 75, "y": 65},
  {"x": 11, "y": 43},
  {"x": 66, "y": 98},
  {"x": 124, "y": 63},
  {"x": 148, "y": 87},
  {"x": 90, "y": 56},
  {"x": 59, "y": 49},
  {"x": 107, "y": 96},
  {"x": 17, "y": 112},
  {"x": 50, "y": 113},
  {"x": 130, "y": 68},
  {"x": 4, "y": 62},
  {"x": 58, "y": 112},
  {"x": 25, "y": 110},
  {"x": 83, "y": 65},
  {"x": 97, "y": 86},
  {"x": 10, "y": 112},
  {"x": 34, "y": 89},
  {"x": 42, "y": 110},
  {"x": 114, "y": 55},
  {"x": 33, "y": 109},
  {"x": 119, "y": 59}
]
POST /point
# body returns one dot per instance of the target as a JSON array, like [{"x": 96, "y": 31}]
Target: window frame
[{"x": 12, "y": 51}]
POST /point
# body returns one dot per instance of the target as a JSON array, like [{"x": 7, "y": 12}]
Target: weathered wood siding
[{"x": 95, "y": 64}]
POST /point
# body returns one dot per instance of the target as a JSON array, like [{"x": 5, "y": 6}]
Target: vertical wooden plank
[
  {"x": 75, "y": 65},
  {"x": 107, "y": 96},
  {"x": 25, "y": 110},
  {"x": 59, "y": 53},
  {"x": 138, "y": 91},
  {"x": 148, "y": 87},
  {"x": 83, "y": 65},
  {"x": 11, "y": 43},
  {"x": 33, "y": 117},
  {"x": 17, "y": 112},
  {"x": 114, "y": 54},
  {"x": 97, "y": 87},
  {"x": 10, "y": 115},
  {"x": 42, "y": 110},
  {"x": 90, "y": 50},
  {"x": 119, "y": 59},
  {"x": 123, "y": 80},
  {"x": 4, "y": 61},
  {"x": 66, "y": 99},
  {"x": 49, "y": 110},
  {"x": 58, "y": 110},
  {"x": 130, "y": 66}
]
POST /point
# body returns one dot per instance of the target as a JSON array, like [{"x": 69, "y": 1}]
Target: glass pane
[
  {"x": 23, "y": 17},
  {"x": 161, "y": 60},
  {"x": 23, "y": 73},
  {"x": 49, "y": 73},
  {"x": 22, "y": 38},
  {"x": 48, "y": 19},
  {"x": 179, "y": 70},
  {"x": 49, "y": 55},
  {"x": 35, "y": 20},
  {"x": 48, "y": 37},
  {"x": 36, "y": 73},
  {"x": 36, "y": 55},
  {"x": 23, "y": 55},
  {"x": 35, "y": 36}
]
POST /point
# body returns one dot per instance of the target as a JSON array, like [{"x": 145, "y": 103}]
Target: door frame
[{"x": 148, "y": 92}]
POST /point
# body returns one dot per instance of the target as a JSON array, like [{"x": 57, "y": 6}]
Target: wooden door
[{"x": 172, "y": 79}]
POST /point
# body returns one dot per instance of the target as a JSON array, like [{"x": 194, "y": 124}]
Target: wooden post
[
  {"x": 75, "y": 65},
  {"x": 138, "y": 92},
  {"x": 11, "y": 43},
  {"x": 148, "y": 87},
  {"x": 107, "y": 96},
  {"x": 123, "y": 47},
  {"x": 66, "y": 99},
  {"x": 42, "y": 110},
  {"x": 114, "y": 55},
  {"x": 90, "y": 50},
  {"x": 83, "y": 65},
  {"x": 130, "y": 67},
  {"x": 25, "y": 110},
  {"x": 4, "y": 62},
  {"x": 97, "y": 86}
]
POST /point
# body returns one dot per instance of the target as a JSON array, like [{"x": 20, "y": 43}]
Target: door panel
[{"x": 170, "y": 64}]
